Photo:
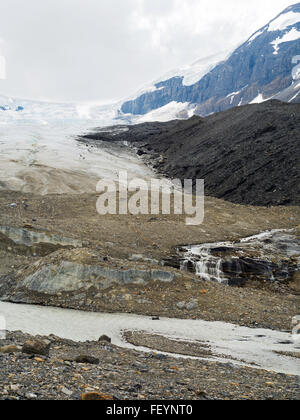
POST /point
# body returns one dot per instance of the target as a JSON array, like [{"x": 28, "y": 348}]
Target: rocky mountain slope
[
  {"x": 267, "y": 64},
  {"x": 247, "y": 155}
]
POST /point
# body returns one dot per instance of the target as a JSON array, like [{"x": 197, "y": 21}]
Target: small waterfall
[
  {"x": 207, "y": 266},
  {"x": 269, "y": 256}
]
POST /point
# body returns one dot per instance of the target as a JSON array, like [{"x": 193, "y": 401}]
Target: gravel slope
[{"x": 247, "y": 155}]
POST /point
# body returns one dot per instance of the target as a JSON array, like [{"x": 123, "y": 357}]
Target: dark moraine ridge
[{"x": 247, "y": 155}]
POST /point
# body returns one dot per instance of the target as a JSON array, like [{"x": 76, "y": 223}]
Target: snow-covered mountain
[
  {"x": 38, "y": 149},
  {"x": 266, "y": 66}
]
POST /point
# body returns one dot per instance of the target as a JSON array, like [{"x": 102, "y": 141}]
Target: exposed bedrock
[
  {"x": 272, "y": 257},
  {"x": 28, "y": 242},
  {"x": 70, "y": 278}
]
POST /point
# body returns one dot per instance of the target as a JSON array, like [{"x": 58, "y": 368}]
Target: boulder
[
  {"x": 85, "y": 359},
  {"x": 39, "y": 347},
  {"x": 104, "y": 339},
  {"x": 10, "y": 349}
]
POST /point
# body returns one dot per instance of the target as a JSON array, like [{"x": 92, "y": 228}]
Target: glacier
[{"x": 283, "y": 21}]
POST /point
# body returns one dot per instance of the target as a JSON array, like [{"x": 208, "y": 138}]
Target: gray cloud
[{"x": 100, "y": 50}]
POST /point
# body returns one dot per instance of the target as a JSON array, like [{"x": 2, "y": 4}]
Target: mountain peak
[
  {"x": 289, "y": 17},
  {"x": 267, "y": 64},
  {"x": 293, "y": 7}
]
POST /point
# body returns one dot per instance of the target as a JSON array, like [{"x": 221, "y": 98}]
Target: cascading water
[
  {"x": 207, "y": 266},
  {"x": 270, "y": 256}
]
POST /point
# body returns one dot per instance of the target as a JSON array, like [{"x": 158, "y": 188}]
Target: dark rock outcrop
[
  {"x": 272, "y": 257},
  {"x": 104, "y": 339}
]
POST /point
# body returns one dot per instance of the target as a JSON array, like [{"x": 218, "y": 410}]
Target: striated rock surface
[
  {"x": 31, "y": 242},
  {"x": 75, "y": 278},
  {"x": 71, "y": 277}
]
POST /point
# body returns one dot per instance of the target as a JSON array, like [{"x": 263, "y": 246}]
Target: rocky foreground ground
[
  {"x": 46, "y": 241},
  {"x": 100, "y": 370}
]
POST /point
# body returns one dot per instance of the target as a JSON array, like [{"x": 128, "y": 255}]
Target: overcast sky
[{"x": 101, "y": 50}]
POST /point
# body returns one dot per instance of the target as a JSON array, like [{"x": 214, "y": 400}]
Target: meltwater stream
[
  {"x": 269, "y": 256},
  {"x": 229, "y": 343}
]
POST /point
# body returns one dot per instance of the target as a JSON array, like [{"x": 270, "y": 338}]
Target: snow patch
[
  {"x": 265, "y": 235},
  {"x": 256, "y": 35},
  {"x": 284, "y": 21},
  {"x": 144, "y": 90},
  {"x": 193, "y": 73},
  {"x": 290, "y": 36},
  {"x": 296, "y": 69},
  {"x": 296, "y": 73},
  {"x": 232, "y": 96},
  {"x": 258, "y": 100},
  {"x": 168, "y": 112},
  {"x": 297, "y": 85},
  {"x": 295, "y": 96}
]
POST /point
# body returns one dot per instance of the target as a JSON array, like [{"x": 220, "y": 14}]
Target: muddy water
[{"x": 250, "y": 346}]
